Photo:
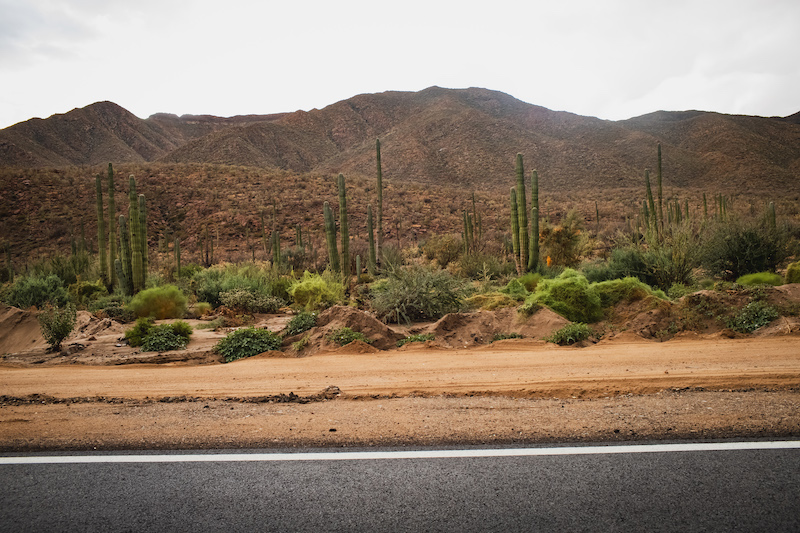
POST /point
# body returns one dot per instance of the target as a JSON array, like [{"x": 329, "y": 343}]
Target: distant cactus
[
  {"x": 101, "y": 230},
  {"x": 771, "y": 219},
  {"x": 660, "y": 194},
  {"x": 522, "y": 213},
  {"x": 380, "y": 198},
  {"x": 515, "y": 230},
  {"x": 344, "y": 227},
  {"x": 372, "y": 260},
  {"x": 533, "y": 259},
  {"x": 330, "y": 237},
  {"x": 134, "y": 227},
  {"x": 177, "y": 257},
  {"x": 143, "y": 237},
  {"x": 112, "y": 227},
  {"x": 124, "y": 269}
]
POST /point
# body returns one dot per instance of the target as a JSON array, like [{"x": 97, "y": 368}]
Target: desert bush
[
  {"x": 752, "y": 316},
  {"x": 444, "y": 249},
  {"x": 247, "y": 342},
  {"x": 564, "y": 243},
  {"x": 515, "y": 289},
  {"x": 112, "y": 306},
  {"x": 56, "y": 323},
  {"x": 760, "y": 278},
  {"x": 482, "y": 266},
  {"x": 793, "y": 272},
  {"x": 245, "y": 301},
  {"x": 506, "y": 336},
  {"x": 345, "y": 335},
  {"x": 737, "y": 248},
  {"x": 202, "y": 308},
  {"x": 417, "y": 337},
  {"x": 83, "y": 292},
  {"x": 569, "y": 295},
  {"x": 491, "y": 301},
  {"x": 136, "y": 335},
  {"x": 259, "y": 280},
  {"x": 162, "y": 302},
  {"x": 613, "y": 291},
  {"x": 166, "y": 337},
  {"x": 302, "y": 321},
  {"x": 317, "y": 292},
  {"x": 530, "y": 280},
  {"x": 570, "y": 334},
  {"x": 36, "y": 291},
  {"x": 417, "y": 293}
]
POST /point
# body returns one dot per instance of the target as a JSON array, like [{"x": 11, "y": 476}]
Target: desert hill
[{"x": 451, "y": 137}]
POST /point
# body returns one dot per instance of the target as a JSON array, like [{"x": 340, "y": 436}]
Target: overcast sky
[{"x": 612, "y": 59}]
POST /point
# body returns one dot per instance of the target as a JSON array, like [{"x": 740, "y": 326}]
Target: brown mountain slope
[{"x": 451, "y": 137}]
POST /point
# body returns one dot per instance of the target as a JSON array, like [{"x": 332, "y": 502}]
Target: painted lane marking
[{"x": 418, "y": 454}]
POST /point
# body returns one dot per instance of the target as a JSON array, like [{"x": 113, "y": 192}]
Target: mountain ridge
[{"x": 440, "y": 136}]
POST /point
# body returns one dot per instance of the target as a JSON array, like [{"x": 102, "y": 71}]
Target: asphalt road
[{"x": 704, "y": 490}]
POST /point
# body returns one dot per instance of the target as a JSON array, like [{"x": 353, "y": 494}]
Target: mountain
[{"x": 462, "y": 137}]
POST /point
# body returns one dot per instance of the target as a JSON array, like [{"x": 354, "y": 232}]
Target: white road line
[{"x": 419, "y": 454}]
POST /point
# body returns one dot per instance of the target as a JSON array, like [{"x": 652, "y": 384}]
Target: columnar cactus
[
  {"x": 515, "y": 230},
  {"x": 533, "y": 259},
  {"x": 343, "y": 225},
  {"x": 330, "y": 237},
  {"x": 143, "y": 237},
  {"x": 522, "y": 213},
  {"x": 660, "y": 194},
  {"x": 380, "y": 198},
  {"x": 372, "y": 260},
  {"x": 124, "y": 271},
  {"x": 112, "y": 226},
  {"x": 134, "y": 227},
  {"x": 101, "y": 230},
  {"x": 177, "y": 257}
]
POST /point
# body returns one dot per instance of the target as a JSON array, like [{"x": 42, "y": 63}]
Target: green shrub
[
  {"x": 505, "y": 336},
  {"x": 760, "y": 278},
  {"x": 445, "y": 249},
  {"x": 56, "y": 324},
  {"x": 569, "y": 295},
  {"x": 258, "y": 280},
  {"x": 570, "y": 334},
  {"x": 202, "y": 309},
  {"x": 530, "y": 280},
  {"x": 159, "y": 302},
  {"x": 752, "y": 316},
  {"x": 734, "y": 249},
  {"x": 163, "y": 338},
  {"x": 345, "y": 335},
  {"x": 418, "y": 337},
  {"x": 83, "y": 292},
  {"x": 136, "y": 335},
  {"x": 247, "y": 342},
  {"x": 417, "y": 293},
  {"x": 482, "y": 266},
  {"x": 515, "y": 289},
  {"x": 491, "y": 301},
  {"x": 181, "y": 329},
  {"x": 36, "y": 291},
  {"x": 212, "y": 324},
  {"x": 302, "y": 321},
  {"x": 613, "y": 291},
  {"x": 317, "y": 292},
  {"x": 793, "y": 272},
  {"x": 679, "y": 290},
  {"x": 245, "y": 301}
]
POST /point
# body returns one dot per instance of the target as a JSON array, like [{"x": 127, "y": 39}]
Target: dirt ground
[{"x": 101, "y": 394}]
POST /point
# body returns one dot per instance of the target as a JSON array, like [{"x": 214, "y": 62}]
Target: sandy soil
[{"x": 519, "y": 390}]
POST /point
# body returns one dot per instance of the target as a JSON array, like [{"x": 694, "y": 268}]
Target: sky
[{"x": 612, "y": 59}]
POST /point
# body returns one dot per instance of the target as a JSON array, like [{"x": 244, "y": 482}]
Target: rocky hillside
[{"x": 450, "y": 137}]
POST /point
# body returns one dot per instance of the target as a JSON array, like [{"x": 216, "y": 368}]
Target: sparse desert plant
[
  {"x": 760, "y": 278},
  {"x": 443, "y": 248},
  {"x": 491, "y": 301},
  {"x": 734, "y": 249},
  {"x": 166, "y": 337},
  {"x": 569, "y": 295},
  {"x": 317, "y": 292},
  {"x": 56, "y": 324},
  {"x": 345, "y": 335},
  {"x": 793, "y": 272},
  {"x": 631, "y": 289},
  {"x": 247, "y": 342},
  {"x": 245, "y": 301},
  {"x": 570, "y": 334},
  {"x": 417, "y": 293},
  {"x": 36, "y": 291},
  {"x": 162, "y": 302},
  {"x": 417, "y": 337},
  {"x": 752, "y": 316},
  {"x": 506, "y": 336},
  {"x": 136, "y": 335},
  {"x": 302, "y": 321},
  {"x": 202, "y": 308}
]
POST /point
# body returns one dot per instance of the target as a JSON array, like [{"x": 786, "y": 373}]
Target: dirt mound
[
  {"x": 356, "y": 347},
  {"x": 382, "y": 337},
  {"x": 480, "y": 327},
  {"x": 19, "y": 331},
  {"x": 87, "y": 325}
]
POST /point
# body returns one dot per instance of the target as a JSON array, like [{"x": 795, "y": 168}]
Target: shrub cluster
[
  {"x": 316, "y": 292},
  {"x": 302, "y": 321},
  {"x": 247, "y": 302},
  {"x": 262, "y": 282},
  {"x": 162, "y": 302},
  {"x": 159, "y": 338},
  {"x": 752, "y": 316},
  {"x": 418, "y": 337},
  {"x": 345, "y": 335},
  {"x": 417, "y": 293},
  {"x": 570, "y": 334},
  {"x": 57, "y": 323},
  {"x": 247, "y": 342},
  {"x": 735, "y": 248},
  {"x": 760, "y": 278},
  {"x": 37, "y": 291}
]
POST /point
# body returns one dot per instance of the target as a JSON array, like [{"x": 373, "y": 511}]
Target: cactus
[
  {"x": 705, "y": 207},
  {"x": 330, "y": 237},
  {"x": 143, "y": 237},
  {"x": 264, "y": 235},
  {"x": 112, "y": 227},
  {"x": 276, "y": 248},
  {"x": 515, "y": 229},
  {"x": 9, "y": 264},
  {"x": 522, "y": 212},
  {"x": 101, "y": 230},
  {"x": 124, "y": 271},
  {"x": 298, "y": 236},
  {"x": 344, "y": 227},
  {"x": 371, "y": 261},
  {"x": 380, "y": 198},
  {"x": 533, "y": 258},
  {"x": 771, "y": 219},
  {"x": 177, "y": 257},
  {"x": 134, "y": 227},
  {"x": 660, "y": 196},
  {"x": 358, "y": 268}
]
